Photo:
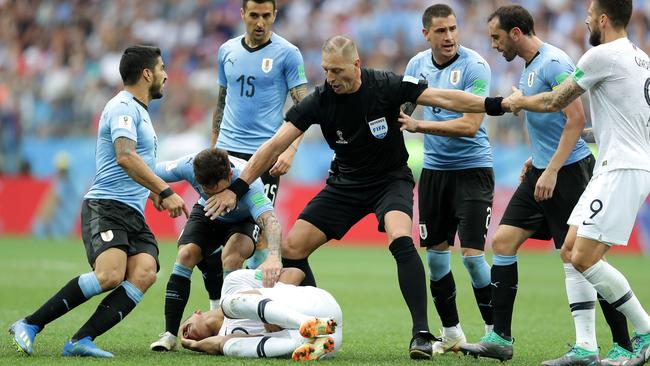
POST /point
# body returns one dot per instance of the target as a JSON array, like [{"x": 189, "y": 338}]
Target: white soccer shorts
[
  {"x": 607, "y": 209},
  {"x": 310, "y": 301}
]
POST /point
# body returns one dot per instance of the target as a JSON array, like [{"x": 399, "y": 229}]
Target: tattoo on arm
[
  {"x": 408, "y": 108},
  {"x": 298, "y": 93},
  {"x": 561, "y": 97},
  {"x": 270, "y": 225},
  {"x": 123, "y": 145},
  {"x": 588, "y": 135},
  {"x": 218, "y": 113}
]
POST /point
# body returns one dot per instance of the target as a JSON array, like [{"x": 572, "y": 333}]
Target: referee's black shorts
[
  {"x": 453, "y": 201},
  {"x": 336, "y": 208},
  {"x": 548, "y": 219}
]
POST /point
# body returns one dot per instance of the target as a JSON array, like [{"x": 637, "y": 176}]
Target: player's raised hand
[
  {"x": 408, "y": 123},
  {"x": 271, "y": 269},
  {"x": 545, "y": 185},
  {"x": 525, "y": 168},
  {"x": 175, "y": 205},
  {"x": 220, "y": 204},
  {"x": 283, "y": 164},
  {"x": 513, "y": 102}
]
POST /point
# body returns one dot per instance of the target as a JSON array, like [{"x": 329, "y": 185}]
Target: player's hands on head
[
  {"x": 513, "y": 103},
  {"x": 283, "y": 164},
  {"x": 175, "y": 205},
  {"x": 220, "y": 204},
  {"x": 408, "y": 124},
  {"x": 271, "y": 269},
  {"x": 545, "y": 185},
  {"x": 525, "y": 168}
]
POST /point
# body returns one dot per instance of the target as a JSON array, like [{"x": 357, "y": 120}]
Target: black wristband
[
  {"x": 239, "y": 187},
  {"x": 493, "y": 106},
  {"x": 166, "y": 193}
]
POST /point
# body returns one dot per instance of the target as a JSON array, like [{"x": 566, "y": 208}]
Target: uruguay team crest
[
  {"x": 531, "y": 79},
  {"x": 454, "y": 78},
  {"x": 267, "y": 65},
  {"x": 379, "y": 127}
]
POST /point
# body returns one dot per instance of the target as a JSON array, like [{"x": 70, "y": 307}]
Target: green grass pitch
[{"x": 377, "y": 324}]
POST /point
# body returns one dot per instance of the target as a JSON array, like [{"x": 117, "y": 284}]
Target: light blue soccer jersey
[
  {"x": 468, "y": 72},
  {"x": 253, "y": 204},
  {"x": 546, "y": 71},
  {"x": 123, "y": 116},
  {"x": 257, "y": 82}
]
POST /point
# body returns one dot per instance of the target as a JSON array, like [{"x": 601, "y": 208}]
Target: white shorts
[
  {"x": 311, "y": 301},
  {"x": 607, "y": 209}
]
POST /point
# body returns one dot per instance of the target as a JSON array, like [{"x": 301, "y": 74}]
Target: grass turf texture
[{"x": 377, "y": 323}]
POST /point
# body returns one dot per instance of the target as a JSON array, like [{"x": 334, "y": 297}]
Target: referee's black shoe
[{"x": 421, "y": 346}]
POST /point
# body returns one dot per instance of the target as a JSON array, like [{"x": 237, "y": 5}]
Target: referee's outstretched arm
[{"x": 462, "y": 102}]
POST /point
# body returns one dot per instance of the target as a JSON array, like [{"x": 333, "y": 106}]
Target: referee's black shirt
[{"x": 362, "y": 127}]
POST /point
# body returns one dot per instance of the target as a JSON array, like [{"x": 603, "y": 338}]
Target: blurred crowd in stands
[{"x": 59, "y": 58}]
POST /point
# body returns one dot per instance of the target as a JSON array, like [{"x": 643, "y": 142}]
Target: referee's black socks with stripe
[
  {"x": 617, "y": 324},
  {"x": 412, "y": 282},
  {"x": 302, "y": 264}
]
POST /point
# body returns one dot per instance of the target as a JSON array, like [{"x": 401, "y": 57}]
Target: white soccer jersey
[{"x": 617, "y": 76}]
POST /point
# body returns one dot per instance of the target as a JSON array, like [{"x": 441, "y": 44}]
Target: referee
[{"x": 357, "y": 110}]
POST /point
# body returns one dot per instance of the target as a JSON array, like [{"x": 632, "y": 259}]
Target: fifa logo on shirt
[
  {"x": 531, "y": 79},
  {"x": 267, "y": 65},
  {"x": 379, "y": 127},
  {"x": 454, "y": 78}
]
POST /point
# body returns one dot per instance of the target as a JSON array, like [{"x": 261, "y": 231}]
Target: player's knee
[
  {"x": 109, "y": 280},
  {"x": 143, "y": 278},
  {"x": 503, "y": 246},
  {"x": 232, "y": 261},
  {"x": 188, "y": 256},
  {"x": 580, "y": 262},
  {"x": 293, "y": 249},
  {"x": 565, "y": 254}
]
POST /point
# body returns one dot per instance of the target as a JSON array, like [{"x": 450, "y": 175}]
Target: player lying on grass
[
  {"x": 215, "y": 246},
  {"x": 256, "y": 322}
]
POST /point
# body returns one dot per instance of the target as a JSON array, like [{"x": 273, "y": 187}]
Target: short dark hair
[
  {"x": 243, "y": 3},
  {"x": 135, "y": 59},
  {"x": 211, "y": 166},
  {"x": 512, "y": 16},
  {"x": 619, "y": 12},
  {"x": 436, "y": 11}
]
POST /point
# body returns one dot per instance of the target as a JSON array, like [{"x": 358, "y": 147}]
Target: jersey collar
[
  {"x": 250, "y": 49},
  {"x": 440, "y": 67}
]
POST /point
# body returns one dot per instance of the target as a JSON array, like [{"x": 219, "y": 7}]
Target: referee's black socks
[
  {"x": 412, "y": 282},
  {"x": 302, "y": 264}
]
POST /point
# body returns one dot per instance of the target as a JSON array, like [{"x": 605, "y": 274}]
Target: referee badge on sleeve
[
  {"x": 423, "y": 231},
  {"x": 379, "y": 127}
]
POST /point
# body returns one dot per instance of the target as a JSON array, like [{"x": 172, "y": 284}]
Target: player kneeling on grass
[
  {"x": 215, "y": 246},
  {"x": 254, "y": 321}
]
